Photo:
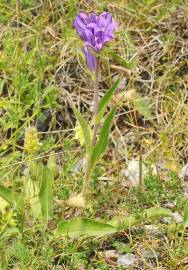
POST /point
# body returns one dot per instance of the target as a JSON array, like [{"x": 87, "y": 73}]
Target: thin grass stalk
[{"x": 18, "y": 11}]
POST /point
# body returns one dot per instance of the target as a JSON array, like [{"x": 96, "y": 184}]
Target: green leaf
[
  {"x": 85, "y": 128},
  {"x": 185, "y": 216},
  {"x": 102, "y": 143},
  {"x": 31, "y": 189},
  {"x": 35, "y": 207},
  {"x": 10, "y": 196},
  {"x": 45, "y": 194},
  {"x": 31, "y": 193},
  {"x": 146, "y": 215},
  {"x": 157, "y": 212},
  {"x": 83, "y": 226},
  {"x": 142, "y": 106},
  {"x": 105, "y": 101}
]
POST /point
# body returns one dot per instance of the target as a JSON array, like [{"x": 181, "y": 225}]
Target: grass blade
[{"x": 185, "y": 216}]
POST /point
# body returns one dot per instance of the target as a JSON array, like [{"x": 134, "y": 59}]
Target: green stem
[
  {"x": 86, "y": 177},
  {"x": 95, "y": 129},
  {"x": 96, "y": 101}
]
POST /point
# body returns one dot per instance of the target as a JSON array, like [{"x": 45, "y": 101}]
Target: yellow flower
[{"x": 31, "y": 143}]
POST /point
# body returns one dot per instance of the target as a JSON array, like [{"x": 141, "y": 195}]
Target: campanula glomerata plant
[{"x": 95, "y": 31}]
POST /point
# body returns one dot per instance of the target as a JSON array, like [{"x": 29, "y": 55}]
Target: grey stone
[
  {"x": 132, "y": 172},
  {"x": 126, "y": 259}
]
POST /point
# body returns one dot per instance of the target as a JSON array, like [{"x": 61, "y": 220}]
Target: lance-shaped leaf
[
  {"x": 45, "y": 194},
  {"x": 105, "y": 101},
  {"x": 102, "y": 143},
  {"x": 89, "y": 227},
  {"x": 85, "y": 128},
  {"x": 83, "y": 226},
  {"x": 11, "y": 197}
]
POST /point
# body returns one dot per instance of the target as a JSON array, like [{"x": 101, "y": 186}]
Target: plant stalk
[
  {"x": 18, "y": 10},
  {"x": 96, "y": 101},
  {"x": 95, "y": 128},
  {"x": 141, "y": 182}
]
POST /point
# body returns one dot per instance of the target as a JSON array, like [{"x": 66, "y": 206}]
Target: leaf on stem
[
  {"x": 105, "y": 101},
  {"x": 102, "y": 143}
]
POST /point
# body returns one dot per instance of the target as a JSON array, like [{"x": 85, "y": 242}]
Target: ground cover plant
[{"x": 135, "y": 215}]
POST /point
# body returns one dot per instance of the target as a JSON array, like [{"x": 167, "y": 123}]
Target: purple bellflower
[{"x": 95, "y": 31}]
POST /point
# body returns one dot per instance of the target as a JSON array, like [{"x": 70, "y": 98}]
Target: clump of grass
[{"x": 157, "y": 192}]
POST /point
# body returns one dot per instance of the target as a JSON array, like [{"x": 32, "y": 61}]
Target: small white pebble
[
  {"x": 126, "y": 259},
  {"x": 178, "y": 218}
]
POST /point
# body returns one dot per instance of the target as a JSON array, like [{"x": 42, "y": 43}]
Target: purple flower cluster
[{"x": 95, "y": 31}]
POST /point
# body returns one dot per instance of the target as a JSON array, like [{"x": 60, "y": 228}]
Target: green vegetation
[{"x": 43, "y": 79}]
